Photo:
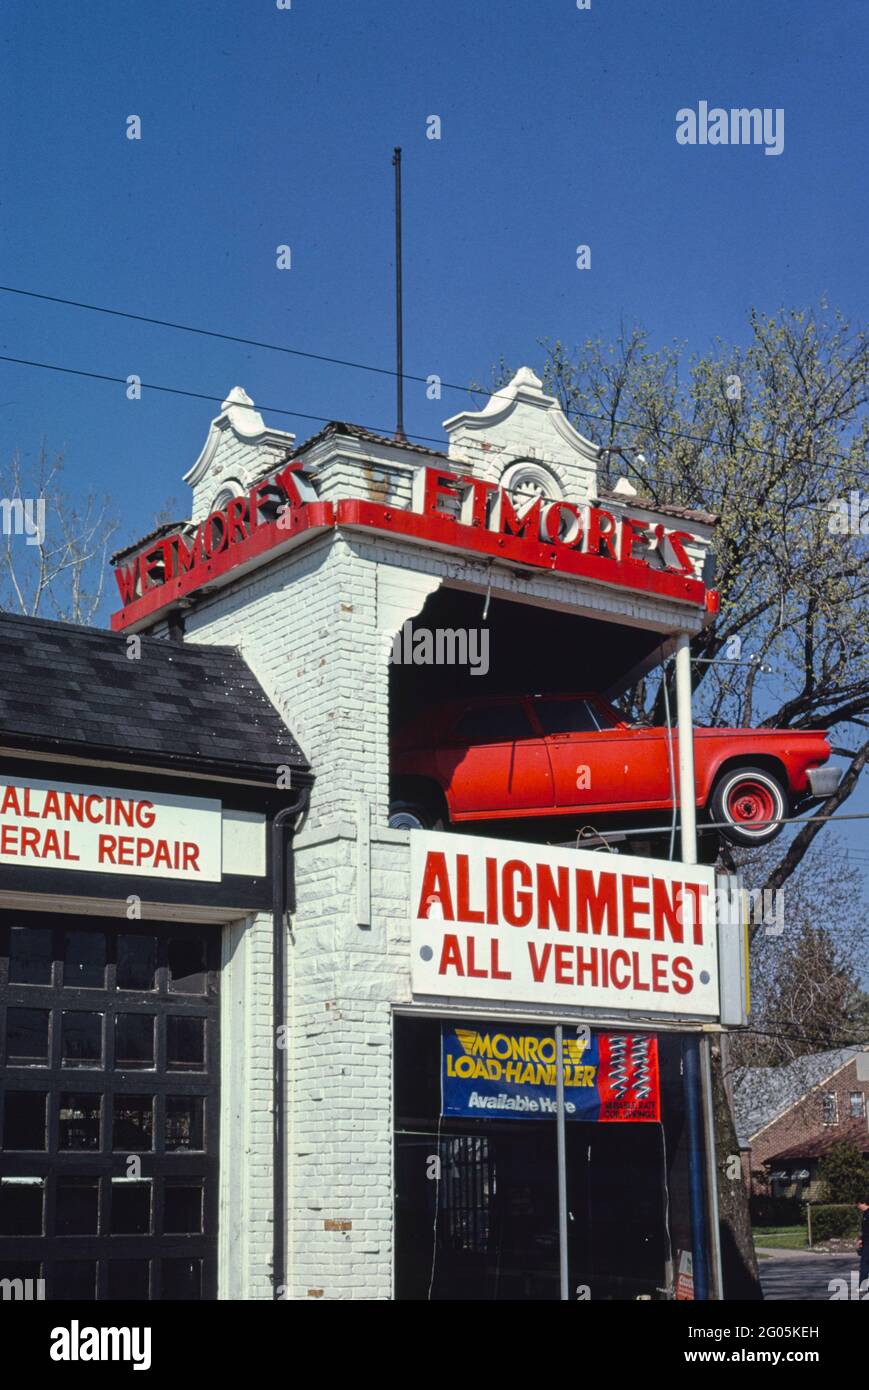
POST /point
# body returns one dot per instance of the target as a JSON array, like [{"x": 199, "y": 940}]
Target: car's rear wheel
[
  {"x": 414, "y": 815},
  {"x": 751, "y": 802}
]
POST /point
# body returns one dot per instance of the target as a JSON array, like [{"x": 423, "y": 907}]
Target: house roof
[
  {"x": 167, "y": 528},
  {"x": 75, "y": 691},
  {"x": 674, "y": 509},
  {"x": 852, "y": 1132},
  {"x": 339, "y": 427},
  {"x": 762, "y": 1094}
]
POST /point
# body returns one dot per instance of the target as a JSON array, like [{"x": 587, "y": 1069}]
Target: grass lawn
[{"x": 780, "y": 1237}]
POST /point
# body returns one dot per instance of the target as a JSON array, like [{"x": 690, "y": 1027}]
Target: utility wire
[
  {"x": 386, "y": 431},
  {"x": 178, "y": 391},
  {"x": 360, "y": 366},
  {"x": 211, "y": 333}
]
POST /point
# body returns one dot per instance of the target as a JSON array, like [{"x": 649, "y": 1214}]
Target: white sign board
[
  {"x": 109, "y": 830},
  {"x": 519, "y": 923}
]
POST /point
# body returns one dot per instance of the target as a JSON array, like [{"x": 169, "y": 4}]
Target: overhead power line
[
  {"x": 367, "y": 367},
  {"x": 179, "y": 391},
  {"x": 207, "y": 332},
  {"x": 271, "y": 409}
]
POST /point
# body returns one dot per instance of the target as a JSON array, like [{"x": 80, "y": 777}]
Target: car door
[
  {"x": 495, "y": 763},
  {"x": 586, "y": 749},
  {"x": 648, "y": 779}
]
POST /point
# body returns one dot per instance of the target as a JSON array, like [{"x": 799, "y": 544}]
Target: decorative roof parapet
[{"x": 523, "y": 440}]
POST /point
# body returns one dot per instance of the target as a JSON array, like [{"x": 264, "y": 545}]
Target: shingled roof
[
  {"x": 762, "y": 1094},
  {"x": 815, "y": 1146},
  {"x": 184, "y": 706}
]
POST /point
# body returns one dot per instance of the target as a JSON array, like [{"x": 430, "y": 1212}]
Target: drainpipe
[{"x": 283, "y": 906}]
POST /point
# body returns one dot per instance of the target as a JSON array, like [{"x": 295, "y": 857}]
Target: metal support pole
[
  {"x": 399, "y": 305},
  {"x": 685, "y": 728},
  {"x": 562, "y": 1160},
  {"x": 711, "y": 1170},
  {"x": 691, "y": 1086},
  {"x": 698, "y": 1071}
]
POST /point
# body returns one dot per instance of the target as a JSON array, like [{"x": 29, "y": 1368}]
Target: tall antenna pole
[{"x": 399, "y": 329}]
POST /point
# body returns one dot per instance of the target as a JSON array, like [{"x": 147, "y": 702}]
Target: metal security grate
[{"x": 109, "y": 1065}]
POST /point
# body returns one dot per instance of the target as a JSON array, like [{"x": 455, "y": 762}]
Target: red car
[{"x": 556, "y": 755}]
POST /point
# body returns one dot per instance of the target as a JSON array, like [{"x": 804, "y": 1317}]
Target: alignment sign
[{"x": 492, "y": 919}]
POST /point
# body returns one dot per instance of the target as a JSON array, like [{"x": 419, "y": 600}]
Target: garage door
[{"x": 109, "y": 1039}]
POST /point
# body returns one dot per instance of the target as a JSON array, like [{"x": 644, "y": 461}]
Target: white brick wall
[
  {"x": 310, "y": 628},
  {"x": 239, "y": 448},
  {"x": 521, "y": 422},
  {"x": 307, "y": 627},
  {"x": 245, "y": 1213},
  {"x": 311, "y": 625}
]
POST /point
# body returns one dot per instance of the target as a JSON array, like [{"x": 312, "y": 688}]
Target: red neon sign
[{"x": 460, "y": 513}]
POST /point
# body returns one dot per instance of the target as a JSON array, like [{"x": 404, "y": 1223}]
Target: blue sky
[{"x": 262, "y": 127}]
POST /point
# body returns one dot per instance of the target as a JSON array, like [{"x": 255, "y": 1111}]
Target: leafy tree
[
  {"x": 770, "y": 435},
  {"x": 844, "y": 1172},
  {"x": 807, "y": 961}
]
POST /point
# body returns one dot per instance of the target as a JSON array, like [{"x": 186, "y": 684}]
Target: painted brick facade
[
  {"x": 246, "y": 1110},
  {"x": 314, "y": 625}
]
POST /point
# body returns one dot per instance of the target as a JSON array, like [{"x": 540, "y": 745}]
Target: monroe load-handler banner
[
  {"x": 507, "y": 1072},
  {"x": 537, "y": 924}
]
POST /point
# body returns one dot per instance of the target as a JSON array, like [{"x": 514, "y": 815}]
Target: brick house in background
[{"x": 789, "y": 1117}]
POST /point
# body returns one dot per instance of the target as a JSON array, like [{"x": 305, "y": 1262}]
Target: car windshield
[{"x": 572, "y": 716}]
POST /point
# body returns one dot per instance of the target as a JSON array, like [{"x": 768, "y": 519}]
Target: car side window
[
  {"x": 493, "y": 724},
  {"x": 569, "y": 717}
]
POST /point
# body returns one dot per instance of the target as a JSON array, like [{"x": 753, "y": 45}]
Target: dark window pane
[
  {"x": 131, "y": 1209},
  {"x": 24, "y": 1125},
  {"x": 82, "y": 1044},
  {"x": 134, "y": 1123},
  {"x": 186, "y": 966},
  {"x": 184, "y": 1122},
  {"x": 76, "y": 1209},
  {"x": 182, "y": 1279},
  {"x": 85, "y": 959},
  {"x": 129, "y": 1280},
  {"x": 570, "y": 717},
  {"x": 27, "y": 1037},
  {"x": 73, "y": 1280},
  {"x": 185, "y": 1043},
  {"x": 182, "y": 1209},
  {"x": 493, "y": 724},
  {"x": 30, "y": 956},
  {"x": 19, "y": 1272},
  {"x": 21, "y": 1207},
  {"x": 134, "y": 1040},
  {"x": 137, "y": 961},
  {"x": 79, "y": 1118}
]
